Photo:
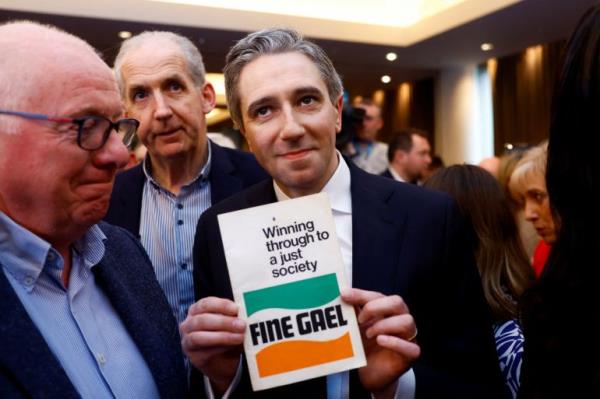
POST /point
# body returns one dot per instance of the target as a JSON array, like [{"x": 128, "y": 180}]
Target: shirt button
[
  {"x": 180, "y": 206},
  {"x": 180, "y": 222},
  {"x": 100, "y": 358},
  {"x": 51, "y": 256},
  {"x": 184, "y": 266},
  {"x": 28, "y": 280}
]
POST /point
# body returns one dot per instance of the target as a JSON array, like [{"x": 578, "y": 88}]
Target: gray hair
[
  {"x": 274, "y": 41},
  {"x": 190, "y": 52}
]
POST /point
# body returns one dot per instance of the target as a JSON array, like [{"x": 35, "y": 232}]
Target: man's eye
[
  {"x": 263, "y": 111},
  {"x": 175, "y": 86},
  {"x": 138, "y": 95},
  {"x": 307, "y": 100}
]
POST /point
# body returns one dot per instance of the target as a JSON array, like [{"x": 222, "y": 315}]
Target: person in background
[
  {"x": 364, "y": 150},
  {"x": 161, "y": 78},
  {"x": 502, "y": 262},
  {"x": 508, "y": 161},
  {"x": 437, "y": 163},
  {"x": 561, "y": 312},
  {"x": 81, "y": 312},
  {"x": 491, "y": 164},
  {"x": 409, "y": 155},
  {"x": 527, "y": 186}
]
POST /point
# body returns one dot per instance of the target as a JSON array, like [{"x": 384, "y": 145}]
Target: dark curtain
[
  {"x": 522, "y": 91},
  {"x": 416, "y": 111}
]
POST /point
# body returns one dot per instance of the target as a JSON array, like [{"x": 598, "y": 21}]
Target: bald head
[{"x": 33, "y": 55}]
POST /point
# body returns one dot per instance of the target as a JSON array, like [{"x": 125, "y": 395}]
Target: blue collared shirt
[
  {"x": 167, "y": 228},
  {"x": 78, "y": 322}
]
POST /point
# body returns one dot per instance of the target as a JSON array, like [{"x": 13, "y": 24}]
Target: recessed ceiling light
[
  {"x": 487, "y": 46},
  {"x": 391, "y": 56},
  {"x": 124, "y": 34},
  {"x": 386, "y": 79}
]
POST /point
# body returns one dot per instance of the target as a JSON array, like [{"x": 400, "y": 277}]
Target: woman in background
[
  {"x": 561, "y": 314},
  {"x": 502, "y": 262},
  {"x": 527, "y": 186}
]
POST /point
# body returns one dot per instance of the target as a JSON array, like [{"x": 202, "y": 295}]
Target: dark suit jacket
[
  {"x": 407, "y": 241},
  {"x": 387, "y": 174},
  {"x": 28, "y": 368},
  {"x": 230, "y": 171}
]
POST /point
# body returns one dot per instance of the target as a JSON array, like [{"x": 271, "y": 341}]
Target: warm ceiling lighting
[
  {"x": 124, "y": 34},
  {"x": 391, "y": 56},
  {"x": 487, "y": 46},
  {"x": 386, "y": 79}
]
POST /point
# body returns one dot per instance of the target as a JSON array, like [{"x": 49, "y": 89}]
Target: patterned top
[{"x": 509, "y": 345}]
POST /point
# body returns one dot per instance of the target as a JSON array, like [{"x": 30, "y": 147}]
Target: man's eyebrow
[
  {"x": 91, "y": 110},
  {"x": 261, "y": 102},
  {"x": 308, "y": 90}
]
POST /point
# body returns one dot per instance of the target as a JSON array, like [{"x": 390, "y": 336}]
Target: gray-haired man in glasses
[{"x": 81, "y": 312}]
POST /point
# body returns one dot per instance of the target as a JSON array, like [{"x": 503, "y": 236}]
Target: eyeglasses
[{"x": 92, "y": 131}]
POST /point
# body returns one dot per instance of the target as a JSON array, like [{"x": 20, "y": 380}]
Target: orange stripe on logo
[{"x": 294, "y": 355}]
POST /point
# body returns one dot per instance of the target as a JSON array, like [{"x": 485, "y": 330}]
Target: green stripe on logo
[{"x": 303, "y": 294}]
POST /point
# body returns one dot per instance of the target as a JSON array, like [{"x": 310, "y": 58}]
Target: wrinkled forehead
[{"x": 149, "y": 59}]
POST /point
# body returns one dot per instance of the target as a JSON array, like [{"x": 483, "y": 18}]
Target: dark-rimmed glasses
[{"x": 92, "y": 131}]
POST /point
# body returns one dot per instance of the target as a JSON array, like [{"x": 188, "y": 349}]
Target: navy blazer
[
  {"x": 407, "y": 241},
  {"x": 230, "y": 171},
  {"x": 28, "y": 368}
]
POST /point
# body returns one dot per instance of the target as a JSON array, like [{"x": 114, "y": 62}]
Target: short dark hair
[
  {"x": 403, "y": 141},
  {"x": 274, "y": 41}
]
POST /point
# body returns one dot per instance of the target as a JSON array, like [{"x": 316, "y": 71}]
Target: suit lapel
[
  {"x": 377, "y": 230},
  {"x": 25, "y": 352},
  {"x": 130, "y": 199},
  {"x": 223, "y": 182}
]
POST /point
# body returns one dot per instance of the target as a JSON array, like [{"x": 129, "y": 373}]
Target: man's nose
[
  {"x": 292, "y": 128},
  {"x": 162, "y": 108},
  {"x": 113, "y": 152}
]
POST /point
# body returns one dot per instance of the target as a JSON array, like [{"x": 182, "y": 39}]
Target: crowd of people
[{"x": 114, "y": 282}]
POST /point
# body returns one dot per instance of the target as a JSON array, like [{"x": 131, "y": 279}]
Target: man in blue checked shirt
[
  {"x": 81, "y": 312},
  {"x": 161, "y": 77}
]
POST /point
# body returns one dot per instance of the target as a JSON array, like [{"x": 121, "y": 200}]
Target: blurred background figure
[
  {"x": 364, "y": 150},
  {"x": 491, "y": 164},
  {"x": 409, "y": 155},
  {"x": 560, "y": 314},
  {"x": 508, "y": 160},
  {"x": 436, "y": 164},
  {"x": 501, "y": 260},
  {"x": 527, "y": 186}
]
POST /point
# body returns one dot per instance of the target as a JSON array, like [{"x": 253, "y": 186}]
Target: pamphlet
[{"x": 286, "y": 271}]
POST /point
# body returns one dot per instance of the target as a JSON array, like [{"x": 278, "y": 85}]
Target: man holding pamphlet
[{"x": 403, "y": 249}]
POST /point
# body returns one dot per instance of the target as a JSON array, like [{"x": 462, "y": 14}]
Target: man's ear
[
  {"x": 399, "y": 156},
  {"x": 339, "y": 105},
  {"x": 209, "y": 97},
  {"x": 243, "y": 132}
]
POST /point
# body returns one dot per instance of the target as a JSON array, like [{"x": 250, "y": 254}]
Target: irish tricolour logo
[{"x": 297, "y": 325}]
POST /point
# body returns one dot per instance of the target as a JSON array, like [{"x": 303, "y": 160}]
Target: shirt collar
[
  {"x": 201, "y": 177},
  {"x": 395, "y": 175},
  {"x": 24, "y": 255},
  {"x": 337, "y": 188}
]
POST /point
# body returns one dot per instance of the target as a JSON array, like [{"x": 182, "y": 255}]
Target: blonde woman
[{"x": 527, "y": 186}]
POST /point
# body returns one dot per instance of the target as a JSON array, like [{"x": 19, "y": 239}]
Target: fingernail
[{"x": 239, "y": 324}]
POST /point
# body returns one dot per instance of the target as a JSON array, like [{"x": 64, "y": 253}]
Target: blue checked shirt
[
  {"x": 167, "y": 229},
  {"x": 78, "y": 322}
]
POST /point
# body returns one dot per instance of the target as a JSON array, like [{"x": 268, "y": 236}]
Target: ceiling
[{"x": 446, "y": 34}]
